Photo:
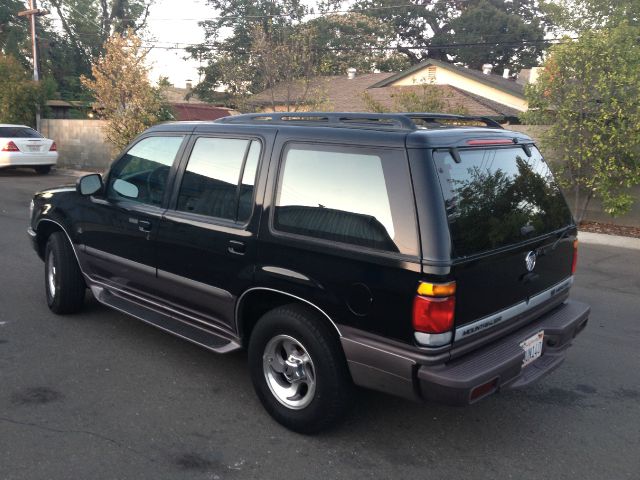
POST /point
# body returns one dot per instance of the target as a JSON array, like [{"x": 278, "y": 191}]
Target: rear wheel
[
  {"x": 64, "y": 284},
  {"x": 42, "y": 169},
  {"x": 298, "y": 369}
]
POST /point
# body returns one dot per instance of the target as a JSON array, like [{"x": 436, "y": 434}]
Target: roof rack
[
  {"x": 440, "y": 120},
  {"x": 384, "y": 121}
]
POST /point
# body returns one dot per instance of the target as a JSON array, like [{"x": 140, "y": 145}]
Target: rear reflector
[
  {"x": 10, "y": 147},
  {"x": 483, "y": 390},
  {"x": 490, "y": 141},
  {"x": 437, "y": 289},
  {"x": 54, "y": 147},
  {"x": 574, "y": 262},
  {"x": 433, "y": 315}
]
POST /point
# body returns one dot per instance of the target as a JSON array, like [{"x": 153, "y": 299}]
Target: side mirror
[
  {"x": 126, "y": 189},
  {"x": 89, "y": 184}
]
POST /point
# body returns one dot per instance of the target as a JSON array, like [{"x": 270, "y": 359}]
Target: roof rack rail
[
  {"x": 437, "y": 120},
  {"x": 385, "y": 121}
]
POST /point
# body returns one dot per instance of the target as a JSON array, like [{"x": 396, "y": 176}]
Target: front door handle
[
  {"x": 144, "y": 226},
  {"x": 237, "y": 247}
]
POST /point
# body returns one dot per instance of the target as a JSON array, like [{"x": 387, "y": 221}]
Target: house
[
  {"x": 187, "y": 106},
  {"x": 463, "y": 89}
]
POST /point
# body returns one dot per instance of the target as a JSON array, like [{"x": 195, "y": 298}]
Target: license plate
[
  {"x": 33, "y": 148},
  {"x": 532, "y": 347}
]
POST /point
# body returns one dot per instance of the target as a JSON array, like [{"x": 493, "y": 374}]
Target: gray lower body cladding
[{"x": 499, "y": 363}]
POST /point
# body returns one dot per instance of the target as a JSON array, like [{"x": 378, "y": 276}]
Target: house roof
[
  {"x": 342, "y": 94},
  {"x": 490, "y": 79},
  {"x": 339, "y": 90},
  {"x": 199, "y": 111},
  {"x": 179, "y": 95}
]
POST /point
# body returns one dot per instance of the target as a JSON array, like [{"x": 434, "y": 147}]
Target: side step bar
[{"x": 200, "y": 336}]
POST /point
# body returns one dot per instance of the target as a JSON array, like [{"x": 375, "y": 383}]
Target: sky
[{"x": 172, "y": 21}]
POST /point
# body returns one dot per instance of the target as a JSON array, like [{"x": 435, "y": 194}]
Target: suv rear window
[
  {"x": 498, "y": 197},
  {"x": 18, "y": 132}
]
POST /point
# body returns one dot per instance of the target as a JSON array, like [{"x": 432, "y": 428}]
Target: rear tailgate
[{"x": 511, "y": 232}]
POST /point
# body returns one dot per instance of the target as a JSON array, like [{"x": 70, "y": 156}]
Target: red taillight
[
  {"x": 10, "y": 147},
  {"x": 574, "y": 262},
  {"x": 53, "y": 148},
  {"x": 433, "y": 314}
]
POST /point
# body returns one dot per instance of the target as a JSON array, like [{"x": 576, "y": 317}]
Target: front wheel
[
  {"x": 298, "y": 369},
  {"x": 64, "y": 284}
]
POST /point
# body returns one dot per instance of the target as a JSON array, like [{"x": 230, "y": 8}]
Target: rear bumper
[
  {"x": 498, "y": 364},
  {"x": 22, "y": 159}
]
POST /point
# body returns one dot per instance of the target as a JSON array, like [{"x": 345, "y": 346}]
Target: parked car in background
[{"x": 22, "y": 146}]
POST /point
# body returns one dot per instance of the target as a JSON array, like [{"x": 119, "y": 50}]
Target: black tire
[
  {"x": 42, "y": 169},
  {"x": 64, "y": 285},
  {"x": 332, "y": 386}
]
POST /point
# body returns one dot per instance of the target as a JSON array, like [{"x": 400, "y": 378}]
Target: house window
[{"x": 431, "y": 74}]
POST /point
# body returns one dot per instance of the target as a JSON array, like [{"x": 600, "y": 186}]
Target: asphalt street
[{"x": 99, "y": 395}]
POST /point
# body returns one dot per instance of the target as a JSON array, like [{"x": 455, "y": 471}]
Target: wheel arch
[
  {"x": 44, "y": 229},
  {"x": 256, "y": 301}
]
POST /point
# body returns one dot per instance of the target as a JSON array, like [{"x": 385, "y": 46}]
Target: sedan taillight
[
  {"x": 54, "y": 147},
  {"x": 10, "y": 147}
]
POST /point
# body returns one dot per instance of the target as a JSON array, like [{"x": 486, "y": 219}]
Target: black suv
[{"x": 427, "y": 256}]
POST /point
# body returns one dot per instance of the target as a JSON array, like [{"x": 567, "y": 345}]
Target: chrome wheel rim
[
  {"x": 51, "y": 275},
  {"x": 289, "y": 372}
]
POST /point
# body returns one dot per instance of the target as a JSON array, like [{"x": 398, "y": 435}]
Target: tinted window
[
  {"x": 212, "y": 184},
  {"x": 141, "y": 174},
  {"x": 18, "y": 132},
  {"x": 343, "y": 194},
  {"x": 497, "y": 197}
]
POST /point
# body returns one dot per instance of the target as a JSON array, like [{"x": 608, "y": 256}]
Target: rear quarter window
[{"x": 349, "y": 195}]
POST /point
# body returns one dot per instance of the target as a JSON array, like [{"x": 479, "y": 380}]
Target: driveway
[{"x": 100, "y": 395}]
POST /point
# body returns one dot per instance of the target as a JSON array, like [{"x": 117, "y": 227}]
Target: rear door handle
[
  {"x": 237, "y": 247},
  {"x": 144, "y": 225}
]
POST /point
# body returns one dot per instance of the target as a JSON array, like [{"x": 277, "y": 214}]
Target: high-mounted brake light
[
  {"x": 53, "y": 148},
  {"x": 574, "y": 262},
  {"x": 490, "y": 141},
  {"x": 433, "y": 313},
  {"x": 10, "y": 147}
]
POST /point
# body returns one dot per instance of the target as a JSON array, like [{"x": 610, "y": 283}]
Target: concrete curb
[{"x": 610, "y": 240}]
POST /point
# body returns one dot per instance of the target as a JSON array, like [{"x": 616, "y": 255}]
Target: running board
[{"x": 192, "y": 333}]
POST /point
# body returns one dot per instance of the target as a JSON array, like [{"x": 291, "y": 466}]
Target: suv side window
[
  {"x": 357, "y": 196},
  {"x": 219, "y": 178},
  {"x": 141, "y": 174}
]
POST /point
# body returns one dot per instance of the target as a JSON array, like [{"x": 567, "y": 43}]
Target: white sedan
[{"x": 22, "y": 146}]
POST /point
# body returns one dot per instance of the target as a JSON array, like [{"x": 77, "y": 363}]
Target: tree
[
  {"x": 14, "y": 31},
  {"x": 288, "y": 66},
  {"x": 227, "y": 48},
  {"x": 589, "y": 93},
  {"x": 503, "y": 33},
  {"x": 353, "y": 40},
  {"x": 336, "y": 42},
  {"x": 423, "y": 98},
  {"x": 86, "y": 26},
  {"x": 583, "y": 15},
  {"x": 18, "y": 93},
  {"x": 123, "y": 94}
]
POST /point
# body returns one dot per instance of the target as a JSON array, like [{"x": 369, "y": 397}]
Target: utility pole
[{"x": 32, "y": 13}]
